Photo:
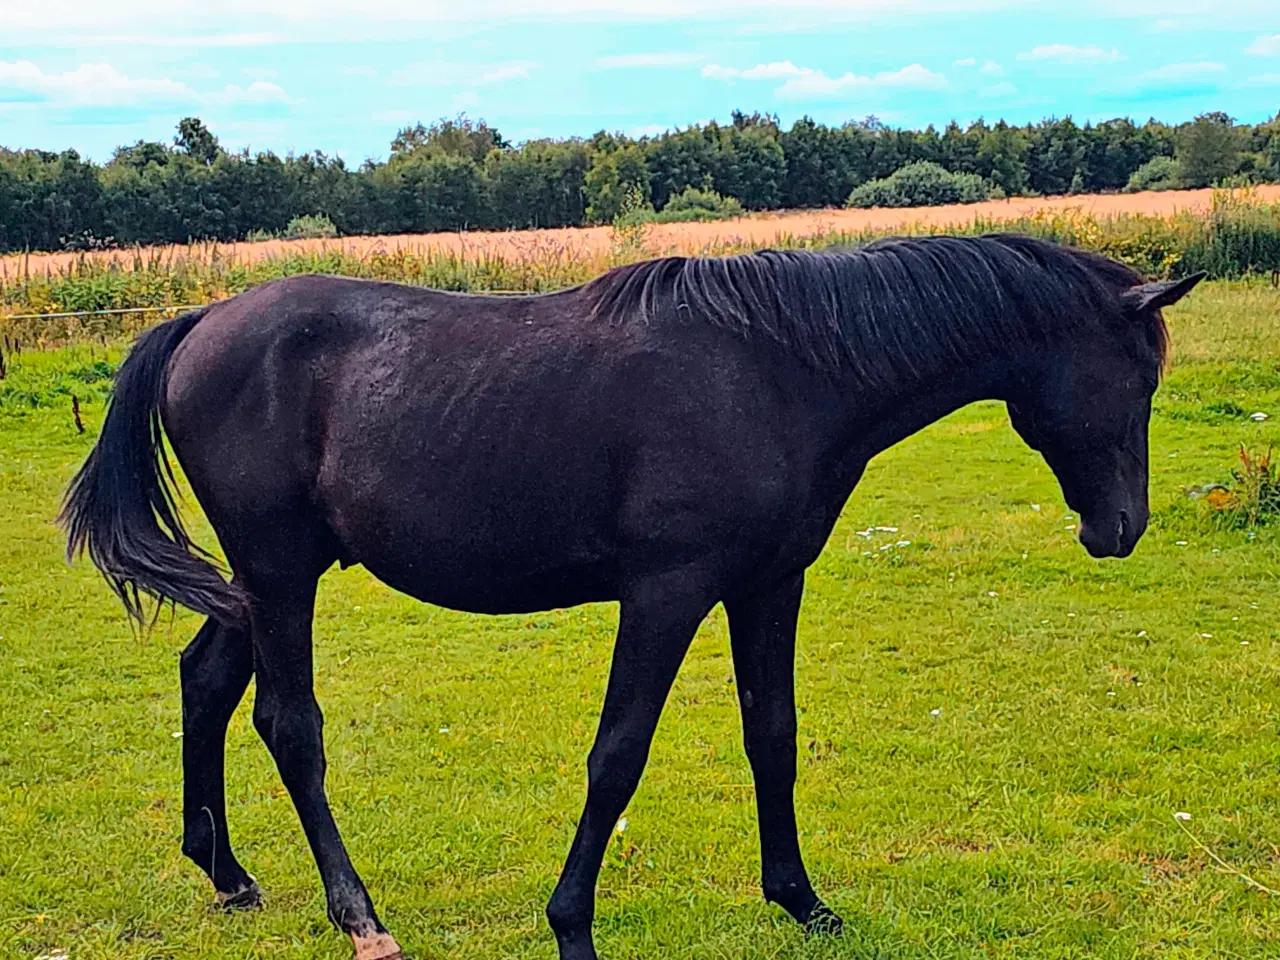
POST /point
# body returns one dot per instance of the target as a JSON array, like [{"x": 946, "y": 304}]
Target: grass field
[{"x": 996, "y": 730}]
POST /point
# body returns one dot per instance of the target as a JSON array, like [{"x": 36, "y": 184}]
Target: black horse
[{"x": 674, "y": 434}]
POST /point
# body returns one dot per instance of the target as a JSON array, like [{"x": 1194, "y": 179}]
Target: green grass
[{"x": 1081, "y": 705}]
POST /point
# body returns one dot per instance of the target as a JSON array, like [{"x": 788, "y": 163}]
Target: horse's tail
[{"x": 121, "y": 505}]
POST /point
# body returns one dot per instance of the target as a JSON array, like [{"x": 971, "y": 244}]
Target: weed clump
[{"x": 1251, "y": 497}]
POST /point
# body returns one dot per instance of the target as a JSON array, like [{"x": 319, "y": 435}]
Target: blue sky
[{"x": 343, "y": 75}]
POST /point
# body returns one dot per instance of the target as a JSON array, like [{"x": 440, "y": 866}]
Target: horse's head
[{"x": 1087, "y": 413}]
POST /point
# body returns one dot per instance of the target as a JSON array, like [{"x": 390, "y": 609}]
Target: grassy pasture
[{"x": 1079, "y": 705}]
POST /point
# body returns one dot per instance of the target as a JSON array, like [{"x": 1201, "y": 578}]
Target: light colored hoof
[
  {"x": 248, "y": 898},
  {"x": 381, "y": 946}
]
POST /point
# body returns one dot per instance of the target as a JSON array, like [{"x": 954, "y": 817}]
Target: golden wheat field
[{"x": 752, "y": 230}]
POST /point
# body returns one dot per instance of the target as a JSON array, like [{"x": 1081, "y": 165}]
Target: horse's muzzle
[{"x": 1111, "y": 537}]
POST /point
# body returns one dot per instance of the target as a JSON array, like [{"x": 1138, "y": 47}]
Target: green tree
[
  {"x": 1208, "y": 149},
  {"x": 142, "y": 154},
  {"x": 1055, "y": 154},
  {"x": 613, "y": 177},
  {"x": 959, "y": 148},
  {"x": 749, "y": 164},
  {"x": 195, "y": 140},
  {"x": 684, "y": 158},
  {"x": 817, "y": 168},
  {"x": 1116, "y": 148},
  {"x": 439, "y": 192},
  {"x": 54, "y": 200},
  {"x": 459, "y": 137},
  {"x": 1001, "y": 158}
]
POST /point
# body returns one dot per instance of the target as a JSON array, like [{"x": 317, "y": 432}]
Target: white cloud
[
  {"x": 102, "y": 85},
  {"x": 436, "y": 73},
  {"x": 803, "y": 82},
  {"x": 992, "y": 69},
  {"x": 25, "y": 21},
  {"x": 508, "y": 71},
  {"x": 1264, "y": 80},
  {"x": 965, "y": 62},
  {"x": 1265, "y": 46},
  {"x": 628, "y": 61},
  {"x": 1200, "y": 74},
  {"x": 913, "y": 77},
  {"x": 761, "y": 71},
  {"x": 998, "y": 91},
  {"x": 1180, "y": 72},
  {"x": 192, "y": 15},
  {"x": 1066, "y": 53},
  {"x": 259, "y": 91},
  {"x": 170, "y": 40},
  {"x": 89, "y": 85}
]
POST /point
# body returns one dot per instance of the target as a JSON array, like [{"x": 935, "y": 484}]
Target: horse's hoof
[
  {"x": 823, "y": 920},
  {"x": 381, "y": 946},
  {"x": 248, "y": 898}
]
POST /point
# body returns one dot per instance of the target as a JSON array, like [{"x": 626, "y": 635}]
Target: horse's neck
[{"x": 884, "y": 416}]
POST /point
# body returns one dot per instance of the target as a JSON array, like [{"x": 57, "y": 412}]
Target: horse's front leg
[
  {"x": 762, "y": 628},
  {"x": 658, "y": 620}
]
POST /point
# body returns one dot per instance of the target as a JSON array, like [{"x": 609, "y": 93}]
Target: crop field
[
  {"x": 756, "y": 230},
  {"x": 94, "y": 297},
  {"x": 996, "y": 731}
]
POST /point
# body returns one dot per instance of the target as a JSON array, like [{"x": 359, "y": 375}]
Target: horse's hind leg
[
  {"x": 216, "y": 667},
  {"x": 288, "y": 718}
]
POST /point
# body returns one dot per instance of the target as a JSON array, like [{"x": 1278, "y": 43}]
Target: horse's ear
[{"x": 1158, "y": 295}]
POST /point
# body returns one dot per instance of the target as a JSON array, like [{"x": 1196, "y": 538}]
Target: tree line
[{"x": 462, "y": 174}]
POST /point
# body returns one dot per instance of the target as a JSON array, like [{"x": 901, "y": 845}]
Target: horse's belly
[
  {"x": 480, "y": 551},
  {"x": 490, "y": 585}
]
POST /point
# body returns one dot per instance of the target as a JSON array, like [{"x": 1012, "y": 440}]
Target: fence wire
[{"x": 189, "y": 306}]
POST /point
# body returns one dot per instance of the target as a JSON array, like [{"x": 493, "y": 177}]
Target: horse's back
[{"x": 483, "y": 453}]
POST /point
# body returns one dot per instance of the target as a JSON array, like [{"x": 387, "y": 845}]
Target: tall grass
[{"x": 1238, "y": 236}]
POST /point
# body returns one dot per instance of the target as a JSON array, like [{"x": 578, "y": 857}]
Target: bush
[
  {"x": 921, "y": 184},
  {"x": 693, "y": 204},
  {"x": 1252, "y": 496},
  {"x": 1158, "y": 173},
  {"x": 316, "y": 226},
  {"x": 634, "y": 214}
]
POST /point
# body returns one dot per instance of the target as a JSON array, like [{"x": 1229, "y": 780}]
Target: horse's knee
[
  {"x": 294, "y": 733},
  {"x": 214, "y": 670},
  {"x": 568, "y": 915},
  {"x": 614, "y": 769},
  {"x": 264, "y": 715},
  {"x": 773, "y": 753},
  {"x": 198, "y": 840}
]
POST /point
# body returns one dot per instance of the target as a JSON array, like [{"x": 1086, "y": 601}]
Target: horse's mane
[{"x": 895, "y": 307}]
